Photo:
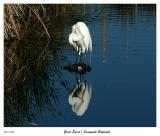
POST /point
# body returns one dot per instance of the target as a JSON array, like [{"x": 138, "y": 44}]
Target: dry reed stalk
[{"x": 35, "y": 11}]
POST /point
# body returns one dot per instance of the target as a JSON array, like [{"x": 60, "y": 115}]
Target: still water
[{"x": 120, "y": 89}]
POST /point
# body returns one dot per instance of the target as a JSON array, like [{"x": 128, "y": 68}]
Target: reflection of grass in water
[{"x": 27, "y": 82}]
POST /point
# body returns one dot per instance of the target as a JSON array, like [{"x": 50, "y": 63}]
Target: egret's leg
[
  {"x": 84, "y": 57},
  {"x": 76, "y": 77},
  {"x": 80, "y": 77},
  {"x": 81, "y": 58},
  {"x": 78, "y": 80},
  {"x": 76, "y": 58},
  {"x": 81, "y": 55},
  {"x": 77, "y": 53}
]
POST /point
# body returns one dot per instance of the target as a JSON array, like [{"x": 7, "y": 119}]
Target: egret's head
[
  {"x": 73, "y": 29},
  {"x": 71, "y": 38},
  {"x": 71, "y": 41}
]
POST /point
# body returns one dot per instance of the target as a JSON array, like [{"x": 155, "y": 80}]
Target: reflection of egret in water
[{"x": 80, "y": 97}]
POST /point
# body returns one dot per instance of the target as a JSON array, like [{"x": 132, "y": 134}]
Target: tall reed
[{"x": 17, "y": 16}]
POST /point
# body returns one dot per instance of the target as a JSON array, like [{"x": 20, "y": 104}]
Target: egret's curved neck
[{"x": 76, "y": 37}]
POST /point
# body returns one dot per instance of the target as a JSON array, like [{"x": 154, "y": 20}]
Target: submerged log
[{"x": 81, "y": 68}]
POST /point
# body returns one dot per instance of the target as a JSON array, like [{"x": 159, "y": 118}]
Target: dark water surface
[{"x": 120, "y": 89}]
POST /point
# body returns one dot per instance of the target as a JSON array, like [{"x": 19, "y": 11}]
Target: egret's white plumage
[{"x": 80, "y": 38}]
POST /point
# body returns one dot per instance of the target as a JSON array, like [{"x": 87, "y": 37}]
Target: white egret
[
  {"x": 80, "y": 97},
  {"x": 80, "y": 39}
]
